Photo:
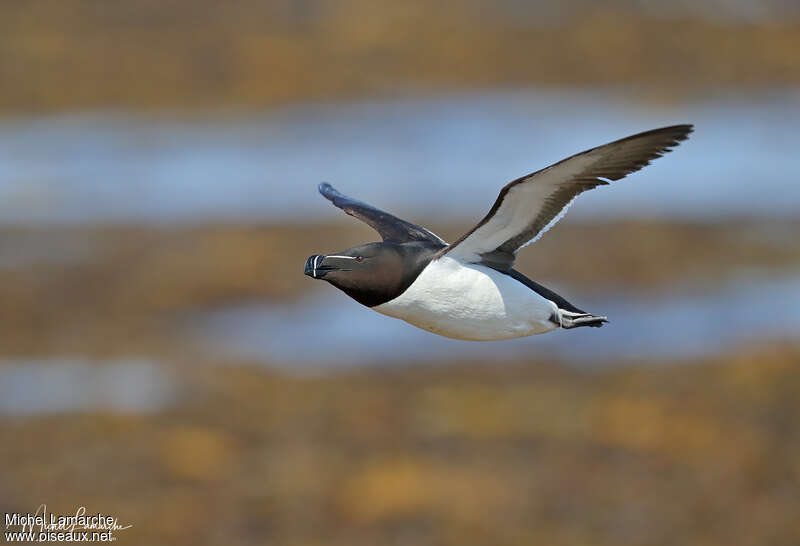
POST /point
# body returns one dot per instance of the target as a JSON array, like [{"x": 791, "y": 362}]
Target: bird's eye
[{"x": 359, "y": 258}]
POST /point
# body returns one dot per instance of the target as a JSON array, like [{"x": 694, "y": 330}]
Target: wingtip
[
  {"x": 687, "y": 129},
  {"x": 680, "y": 132},
  {"x": 328, "y": 192},
  {"x": 671, "y": 136}
]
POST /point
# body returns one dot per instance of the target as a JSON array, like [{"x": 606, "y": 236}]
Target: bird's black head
[{"x": 373, "y": 273}]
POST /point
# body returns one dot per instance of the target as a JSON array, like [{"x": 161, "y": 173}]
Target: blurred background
[{"x": 164, "y": 360}]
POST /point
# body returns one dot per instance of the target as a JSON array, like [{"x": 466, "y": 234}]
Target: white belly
[{"x": 468, "y": 301}]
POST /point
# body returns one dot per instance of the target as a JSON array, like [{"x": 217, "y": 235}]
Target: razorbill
[{"x": 468, "y": 289}]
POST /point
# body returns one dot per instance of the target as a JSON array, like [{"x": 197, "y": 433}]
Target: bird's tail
[{"x": 568, "y": 319}]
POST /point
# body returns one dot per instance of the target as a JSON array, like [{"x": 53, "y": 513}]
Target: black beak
[
  {"x": 312, "y": 263},
  {"x": 317, "y": 266}
]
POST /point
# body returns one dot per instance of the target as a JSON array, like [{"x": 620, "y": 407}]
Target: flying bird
[{"x": 469, "y": 289}]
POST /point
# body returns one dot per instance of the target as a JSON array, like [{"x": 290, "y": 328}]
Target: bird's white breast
[{"x": 470, "y": 301}]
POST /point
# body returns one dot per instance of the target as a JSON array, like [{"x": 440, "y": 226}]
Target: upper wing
[
  {"x": 529, "y": 206},
  {"x": 390, "y": 228}
]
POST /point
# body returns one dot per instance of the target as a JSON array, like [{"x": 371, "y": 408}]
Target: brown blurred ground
[
  {"x": 532, "y": 453},
  {"x": 68, "y": 54}
]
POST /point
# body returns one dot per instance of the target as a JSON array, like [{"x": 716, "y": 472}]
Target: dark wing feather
[
  {"x": 530, "y": 205},
  {"x": 391, "y": 228}
]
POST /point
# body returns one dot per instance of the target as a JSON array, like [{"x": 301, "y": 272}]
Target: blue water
[
  {"x": 66, "y": 385},
  {"x": 329, "y": 330},
  {"x": 446, "y": 156}
]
